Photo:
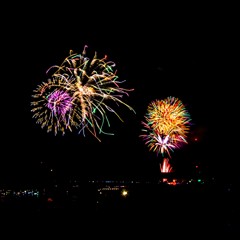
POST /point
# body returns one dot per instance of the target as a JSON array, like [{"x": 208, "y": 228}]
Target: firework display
[
  {"x": 165, "y": 167},
  {"x": 166, "y": 125},
  {"x": 79, "y": 94}
]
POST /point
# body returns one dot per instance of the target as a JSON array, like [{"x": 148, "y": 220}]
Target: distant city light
[{"x": 124, "y": 193}]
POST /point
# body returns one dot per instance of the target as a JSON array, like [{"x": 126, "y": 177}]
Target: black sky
[{"x": 160, "y": 52}]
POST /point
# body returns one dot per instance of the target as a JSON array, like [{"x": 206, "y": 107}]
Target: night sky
[{"x": 160, "y": 52}]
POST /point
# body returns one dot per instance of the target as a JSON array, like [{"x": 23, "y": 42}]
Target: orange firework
[{"x": 166, "y": 125}]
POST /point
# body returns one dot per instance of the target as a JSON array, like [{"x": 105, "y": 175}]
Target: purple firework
[{"x": 59, "y": 102}]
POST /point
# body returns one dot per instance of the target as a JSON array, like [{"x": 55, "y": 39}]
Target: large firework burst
[{"x": 79, "y": 94}]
